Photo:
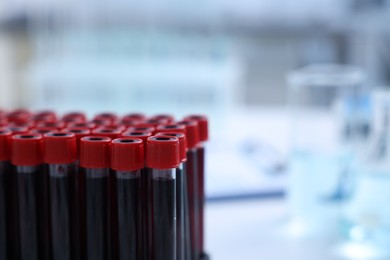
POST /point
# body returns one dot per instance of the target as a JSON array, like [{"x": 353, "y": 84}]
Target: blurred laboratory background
[{"x": 295, "y": 91}]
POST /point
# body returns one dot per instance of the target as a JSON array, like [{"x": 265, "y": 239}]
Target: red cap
[
  {"x": 27, "y": 149},
  {"x": 153, "y": 122},
  {"x": 79, "y": 132},
  {"x": 107, "y": 116},
  {"x": 102, "y": 122},
  {"x": 95, "y": 152},
  {"x": 172, "y": 127},
  {"x": 162, "y": 152},
  {"x": 192, "y": 133},
  {"x": 128, "y": 121},
  {"x": 44, "y": 116},
  {"x": 59, "y": 148},
  {"x": 3, "y": 121},
  {"x": 19, "y": 116},
  {"x": 28, "y": 125},
  {"x": 58, "y": 125},
  {"x": 138, "y": 116},
  {"x": 138, "y": 134},
  {"x": 127, "y": 154},
  {"x": 111, "y": 132},
  {"x": 149, "y": 129},
  {"x": 166, "y": 117},
  {"x": 182, "y": 142},
  {"x": 203, "y": 126},
  {"x": 74, "y": 117},
  {"x": 18, "y": 129},
  {"x": 43, "y": 130},
  {"x": 5, "y": 144},
  {"x": 82, "y": 125}
]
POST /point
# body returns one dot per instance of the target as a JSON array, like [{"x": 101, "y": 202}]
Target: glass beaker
[
  {"x": 329, "y": 114},
  {"x": 366, "y": 215}
]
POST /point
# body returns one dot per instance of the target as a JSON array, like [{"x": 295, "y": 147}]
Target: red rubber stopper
[
  {"x": 18, "y": 129},
  {"x": 95, "y": 152},
  {"x": 19, "y": 116},
  {"x": 137, "y": 116},
  {"x": 59, "y": 148},
  {"x": 102, "y": 122},
  {"x": 58, "y": 125},
  {"x": 182, "y": 142},
  {"x": 27, "y": 149},
  {"x": 166, "y": 117},
  {"x": 149, "y": 129},
  {"x": 113, "y": 118},
  {"x": 138, "y": 134},
  {"x": 111, "y": 132},
  {"x": 192, "y": 133},
  {"x": 45, "y": 116},
  {"x": 79, "y": 133},
  {"x": 3, "y": 122},
  {"x": 43, "y": 130},
  {"x": 128, "y": 121},
  {"x": 74, "y": 117},
  {"x": 82, "y": 125},
  {"x": 172, "y": 127},
  {"x": 153, "y": 122},
  {"x": 127, "y": 154},
  {"x": 162, "y": 152},
  {"x": 5, "y": 144},
  {"x": 203, "y": 126}
]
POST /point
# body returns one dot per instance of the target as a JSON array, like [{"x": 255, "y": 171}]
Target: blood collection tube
[
  {"x": 95, "y": 163},
  {"x": 145, "y": 197},
  {"x": 182, "y": 213},
  {"x": 60, "y": 155},
  {"x": 5, "y": 198},
  {"x": 203, "y": 137},
  {"x": 79, "y": 132},
  {"x": 127, "y": 161},
  {"x": 162, "y": 160},
  {"x": 192, "y": 134},
  {"x": 33, "y": 203}
]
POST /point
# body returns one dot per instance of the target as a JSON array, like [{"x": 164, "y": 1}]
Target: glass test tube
[{"x": 163, "y": 158}]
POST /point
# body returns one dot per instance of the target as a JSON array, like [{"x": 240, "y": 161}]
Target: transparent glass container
[{"x": 329, "y": 116}]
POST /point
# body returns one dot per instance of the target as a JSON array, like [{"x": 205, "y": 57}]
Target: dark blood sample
[
  {"x": 164, "y": 214},
  {"x": 5, "y": 142},
  {"x": 60, "y": 155},
  {"x": 95, "y": 163},
  {"x": 32, "y": 197},
  {"x": 127, "y": 160},
  {"x": 163, "y": 158},
  {"x": 182, "y": 244}
]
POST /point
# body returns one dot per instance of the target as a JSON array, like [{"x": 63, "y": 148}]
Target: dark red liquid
[
  {"x": 128, "y": 186},
  {"x": 164, "y": 219},
  {"x": 193, "y": 201},
  {"x": 180, "y": 215},
  {"x": 13, "y": 232},
  {"x": 3, "y": 210},
  {"x": 97, "y": 214},
  {"x": 201, "y": 194},
  {"x": 186, "y": 217},
  {"x": 61, "y": 190},
  {"x": 146, "y": 209},
  {"x": 33, "y": 213}
]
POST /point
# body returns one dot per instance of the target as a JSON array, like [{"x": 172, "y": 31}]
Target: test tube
[
  {"x": 95, "y": 163},
  {"x": 60, "y": 156},
  {"x": 5, "y": 198},
  {"x": 192, "y": 134},
  {"x": 145, "y": 197},
  {"x": 33, "y": 203},
  {"x": 162, "y": 160},
  {"x": 182, "y": 214},
  {"x": 203, "y": 137},
  {"x": 127, "y": 161}
]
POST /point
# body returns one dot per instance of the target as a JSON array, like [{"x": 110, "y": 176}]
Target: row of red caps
[{"x": 123, "y": 143}]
